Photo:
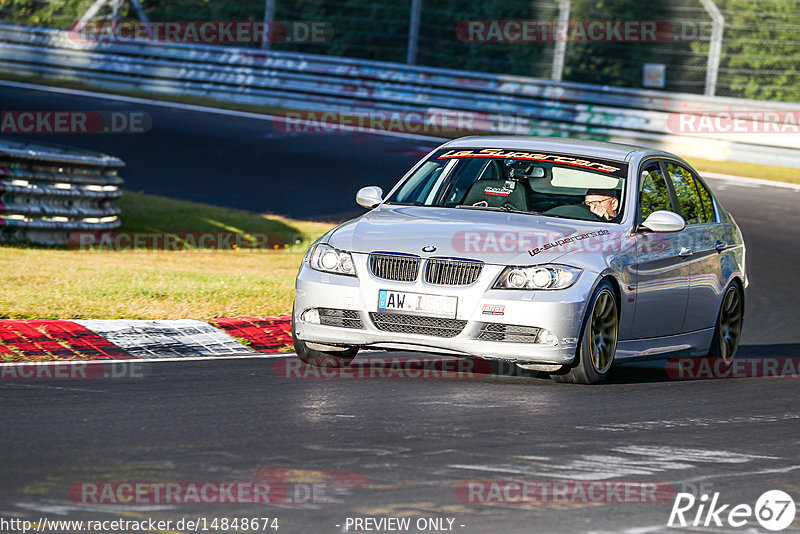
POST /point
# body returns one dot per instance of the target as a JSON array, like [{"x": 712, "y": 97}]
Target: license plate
[{"x": 403, "y": 302}]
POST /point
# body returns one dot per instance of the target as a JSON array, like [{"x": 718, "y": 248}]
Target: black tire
[
  {"x": 728, "y": 331},
  {"x": 319, "y": 358},
  {"x": 597, "y": 347}
]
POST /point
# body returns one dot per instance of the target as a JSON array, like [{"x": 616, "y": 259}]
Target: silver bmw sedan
[{"x": 562, "y": 256}]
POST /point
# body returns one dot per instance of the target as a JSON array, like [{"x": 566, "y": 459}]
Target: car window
[
  {"x": 555, "y": 185},
  {"x": 706, "y": 201},
  {"x": 417, "y": 188},
  {"x": 686, "y": 190},
  {"x": 655, "y": 194},
  {"x": 464, "y": 175}
]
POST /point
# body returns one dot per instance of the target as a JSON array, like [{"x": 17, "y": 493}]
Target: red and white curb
[{"x": 121, "y": 339}]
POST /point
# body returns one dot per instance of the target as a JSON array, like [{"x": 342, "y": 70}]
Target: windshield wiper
[
  {"x": 415, "y": 203},
  {"x": 511, "y": 210},
  {"x": 554, "y": 215},
  {"x": 495, "y": 208}
]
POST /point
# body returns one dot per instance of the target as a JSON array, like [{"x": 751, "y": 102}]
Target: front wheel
[
  {"x": 598, "y": 343},
  {"x": 728, "y": 330},
  {"x": 320, "y": 358}
]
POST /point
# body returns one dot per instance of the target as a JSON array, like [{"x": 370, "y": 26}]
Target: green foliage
[
  {"x": 760, "y": 56},
  {"x": 376, "y": 30},
  {"x": 655, "y": 195},
  {"x": 759, "y": 53},
  {"x": 55, "y": 14},
  {"x": 440, "y": 47},
  {"x": 621, "y": 63}
]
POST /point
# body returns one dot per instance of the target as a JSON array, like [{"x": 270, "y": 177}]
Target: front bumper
[{"x": 559, "y": 311}]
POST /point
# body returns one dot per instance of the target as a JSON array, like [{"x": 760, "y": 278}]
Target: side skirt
[{"x": 689, "y": 344}]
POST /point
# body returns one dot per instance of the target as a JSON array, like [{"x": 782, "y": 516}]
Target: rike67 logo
[{"x": 774, "y": 510}]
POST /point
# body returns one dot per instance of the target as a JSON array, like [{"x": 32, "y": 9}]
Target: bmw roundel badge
[{"x": 429, "y": 248}]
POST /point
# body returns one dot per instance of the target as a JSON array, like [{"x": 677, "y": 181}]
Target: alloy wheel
[
  {"x": 730, "y": 324},
  {"x": 604, "y": 331}
]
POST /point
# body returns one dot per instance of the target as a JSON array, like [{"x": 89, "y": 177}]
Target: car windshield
[{"x": 557, "y": 185}]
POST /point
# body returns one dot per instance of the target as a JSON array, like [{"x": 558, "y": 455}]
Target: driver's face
[{"x": 603, "y": 206}]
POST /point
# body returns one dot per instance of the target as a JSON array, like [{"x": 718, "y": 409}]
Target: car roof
[{"x": 577, "y": 147}]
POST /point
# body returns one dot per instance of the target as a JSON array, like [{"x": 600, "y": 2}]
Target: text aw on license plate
[{"x": 401, "y": 301}]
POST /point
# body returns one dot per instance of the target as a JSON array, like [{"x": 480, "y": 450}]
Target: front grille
[
  {"x": 340, "y": 318},
  {"x": 509, "y": 333},
  {"x": 452, "y": 272},
  {"x": 394, "y": 267},
  {"x": 416, "y": 324}
]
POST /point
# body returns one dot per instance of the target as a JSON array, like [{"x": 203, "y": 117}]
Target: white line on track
[
  {"x": 249, "y": 356},
  {"x": 663, "y": 528},
  {"x": 733, "y": 474},
  {"x": 621, "y": 461},
  {"x": 692, "y": 422},
  {"x": 748, "y": 182},
  {"x": 206, "y": 109},
  {"x": 17, "y": 384}
]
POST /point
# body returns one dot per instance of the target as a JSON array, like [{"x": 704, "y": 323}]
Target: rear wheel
[
  {"x": 729, "y": 325},
  {"x": 598, "y": 344},
  {"x": 339, "y": 358}
]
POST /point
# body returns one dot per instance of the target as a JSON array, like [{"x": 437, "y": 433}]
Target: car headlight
[
  {"x": 538, "y": 277},
  {"x": 327, "y": 259}
]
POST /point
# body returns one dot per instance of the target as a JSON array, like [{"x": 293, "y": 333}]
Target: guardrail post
[
  {"x": 139, "y": 11},
  {"x": 560, "y": 51},
  {"x": 714, "y": 47},
  {"x": 413, "y": 32},
  {"x": 116, "y": 5},
  {"x": 269, "y": 15},
  {"x": 91, "y": 12}
]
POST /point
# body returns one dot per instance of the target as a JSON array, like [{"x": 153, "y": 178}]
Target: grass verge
[
  {"x": 751, "y": 170},
  {"x": 56, "y": 283}
]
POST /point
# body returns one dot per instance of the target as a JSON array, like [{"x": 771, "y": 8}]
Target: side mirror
[
  {"x": 664, "y": 221},
  {"x": 369, "y": 197}
]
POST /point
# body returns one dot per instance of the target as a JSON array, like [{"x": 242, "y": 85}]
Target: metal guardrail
[
  {"x": 509, "y": 104},
  {"x": 48, "y": 192}
]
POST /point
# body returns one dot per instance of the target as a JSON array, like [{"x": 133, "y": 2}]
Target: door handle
[
  {"x": 685, "y": 252},
  {"x": 720, "y": 246}
]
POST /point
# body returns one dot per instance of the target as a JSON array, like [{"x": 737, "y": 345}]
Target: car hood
[{"x": 490, "y": 236}]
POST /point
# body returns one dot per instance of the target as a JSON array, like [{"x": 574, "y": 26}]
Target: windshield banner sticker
[{"x": 605, "y": 166}]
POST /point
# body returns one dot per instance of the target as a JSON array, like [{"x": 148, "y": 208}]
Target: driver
[
  {"x": 597, "y": 205},
  {"x": 603, "y": 203}
]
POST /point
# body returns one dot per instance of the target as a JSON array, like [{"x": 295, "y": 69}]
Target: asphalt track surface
[{"x": 402, "y": 447}]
